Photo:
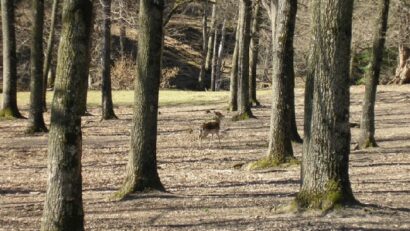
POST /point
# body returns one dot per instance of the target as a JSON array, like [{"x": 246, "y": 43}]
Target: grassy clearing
[{"x": 166, "y": 98}]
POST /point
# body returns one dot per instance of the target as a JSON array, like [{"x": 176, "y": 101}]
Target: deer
[{"x": 212, "y": 127}]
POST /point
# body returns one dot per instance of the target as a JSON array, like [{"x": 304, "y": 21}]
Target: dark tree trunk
[
  {"x": 63, "y": 209},
  {"x": 326, "y": 147},
  {"x": 107, "y": 105},
  {"x": 211, "y": 41},
  {"x": 202, "y": 72},
  {"x": 244, "y": 107},
  {"x": 254, "y": 49},
  {"x": 367, "y": 128},
  {"x": 142, "y": 174},
  {"x": 36, "y": 120},
  {"x": 9, "y": 107},
  {"x": 214, "y": 60},
  {"x": 49, "y": 53},
  {"x": 233, "y": 102}
]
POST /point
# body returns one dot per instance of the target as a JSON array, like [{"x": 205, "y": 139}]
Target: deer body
[{"x": 212, "y": 128}]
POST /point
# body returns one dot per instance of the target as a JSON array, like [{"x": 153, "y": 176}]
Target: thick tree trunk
[
  {"x": 9, "y": 107},
  {"x": 36, "y": 120},
  {"x": 142, "y": 174},
  {"x": 202, "y": 72},
  {"x": 367, "y": 128},
  {"x": 220, "y": 57},
  {"x": 326, "y": 147},
  {"x": 244, "y": 107},
  {"x": 254, "y": 49},
  {"x": 107, "y": 108},
  {"x": 49, "y": 53},
  {"x": 211, "y": 41},
  {"x": 233, "y": 102},
  {"x": 214, "y": 60},
  {"x": 63, "y": 209}
]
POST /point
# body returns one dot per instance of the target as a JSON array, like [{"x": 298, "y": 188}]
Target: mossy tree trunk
[
  {"x": 9, "y": 107},
  {"x": 142, "y": 174},
  {"x": 63, "y": 209},
  {"x": 244, "y": 106},
  {"x": 201, "y": 78},
  {"x": 233, "y": 87},
  {"x": 36, "y": 120},
  {"x": 254, "y": 51},
  {"x": 107, "y": 108},
  {"x": 325, "y": 159},
  {"x": 49, "y": 54},
  {"x": 367, "y": 127}
]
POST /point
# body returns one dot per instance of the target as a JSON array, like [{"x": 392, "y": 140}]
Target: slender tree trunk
[
  {"x": 220, "y": 57},
  {"x": 233, "y": 102},
  {"x": 244, "y": 106},
  {"x": 36, "y": 120},
  {"x": 211, "y": 41},
  {"x": 367, "y": 128},
  {"x": 325, "y": 160},
  {"x": 254, "y": 49},
  {"x": 49, "y": 53},
  {"x": 202, "y": 72},
  {"x": 63, "y": 209},
  {"x": 107, "y": 105},
  {"x": 214, "y": 60},
  {"x": 9, "y": 107},
  {"x": 123, "y": 32},
  {"x": 142, "y": 174}
]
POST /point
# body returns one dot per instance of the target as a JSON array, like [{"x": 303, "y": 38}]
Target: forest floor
[{"x": 205, "y": 191}]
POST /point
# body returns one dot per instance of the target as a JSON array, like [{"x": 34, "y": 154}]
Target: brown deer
[{"x": 212, "y": 128}]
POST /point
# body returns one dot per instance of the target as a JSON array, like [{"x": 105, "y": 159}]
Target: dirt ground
[{"x": 205, "y": 191}]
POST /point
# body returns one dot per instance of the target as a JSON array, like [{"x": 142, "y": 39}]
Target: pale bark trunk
[
  {"x": 211, "y": 36},
  {"x": 63, "y": 209},
  {"x": 214, "y": 60},
  {"x": 326, "y": 147},
  {"x": 233, "y": 102},
  {"x": 202, "y": 72},
  {"x": 220, "y": 57},
  {"x": 254, "y": 52}
]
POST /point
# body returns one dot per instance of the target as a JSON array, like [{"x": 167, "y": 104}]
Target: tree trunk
[
  {"x": 142, "y": 174},
  {"x": 220, "y": 57},
  {"x": 325, "y": 160},
  {"x": 49, "y": 53},
  {"x": 367, "y": 128},
  {"x": 233, "y": 102},
  {"x": 209, "y": 53},
  {"x": 63, "y": 209},
  {"x": 201, "y": 79},
  {"x": 254, "y": 49},
  {"x": 36, "y": 120},
  {"x": 9, "y": 107},
  {"x": 214, "y": 60},
  {"x": 244, "y": 106},
  {"x": 107, "y": 105}
]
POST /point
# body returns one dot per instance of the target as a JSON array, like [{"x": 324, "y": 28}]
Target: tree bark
[
  {"x": 49, "y": 53},
  {"x": 9, "y": 107},
  {"x": 107, "y": 108},
  {"x": 201, "y": 79},
  {"x": 254, "y": 49},
  {"x": 214, "y": 60},
  {"x": 326, "y": 147},
  {"x": 142, "y": 174},
  {"x": 36, "y": 120},
  {"x": 233, "y": 102},
  {"x": 367, "y": 127},
  {"x": 211, "y": 41},
  {"x": 244, "y": 107},
  {"x": 63, "y": 209},
  {"x": 220, "y": 57}
]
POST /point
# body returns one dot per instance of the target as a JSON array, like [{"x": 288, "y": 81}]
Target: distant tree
[
  {"x": 367, "y": 127},
  {"x": 201, "y": 79},
  {"x": 9, "y": 105},
  {"x": 107, "y": 105},
  {"x": 63, "y": 208},
  {"x": 214, "y": 60},
  {"x": 244, "y": 106},
  {"x": 211, "y": 36},
  {"x": 36, "y": 120},
  {"x": 326, "y": 147},
  {"x": 254, "y": 50},
  {"x": 220, "y": 56},
  {"x": 233, "y": 101},
  {"x": 142, "y": 171}
]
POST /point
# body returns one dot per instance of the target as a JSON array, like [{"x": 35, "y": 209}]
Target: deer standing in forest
[{"x": 212, "y": 127}]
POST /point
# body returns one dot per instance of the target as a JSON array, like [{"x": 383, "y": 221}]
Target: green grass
[{"x": 166, "y": 98}]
